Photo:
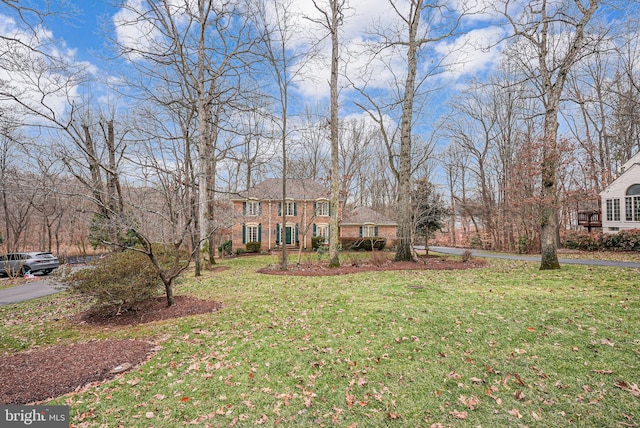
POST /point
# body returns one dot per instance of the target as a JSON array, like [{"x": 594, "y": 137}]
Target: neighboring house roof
[
  {"x": 365, "y": 215},
  {"x": 271, "y": 189}
]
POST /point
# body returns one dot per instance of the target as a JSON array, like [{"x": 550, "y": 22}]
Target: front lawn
[{"x": 505, "y": 345}]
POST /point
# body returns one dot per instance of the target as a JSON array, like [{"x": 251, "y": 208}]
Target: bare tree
[
  {"x": 421, "y": 25},
  {"x": 285, "y": 54},
  {"x": 551, "y": 38},
  {"x": 332, "y": 19}
]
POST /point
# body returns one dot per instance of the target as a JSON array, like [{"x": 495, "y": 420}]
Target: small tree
[{"x": 429, "y": 210}]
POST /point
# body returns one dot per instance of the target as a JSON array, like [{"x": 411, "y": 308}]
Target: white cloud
[
  {"x": 37, "y": 68},
  {"x": 474, "y": 52}
]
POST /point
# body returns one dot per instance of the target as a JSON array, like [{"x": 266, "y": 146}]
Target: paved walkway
[{"x": 489, "y": 254}]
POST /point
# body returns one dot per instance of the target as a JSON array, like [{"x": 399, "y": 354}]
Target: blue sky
[{"x": 83, "y": 30}]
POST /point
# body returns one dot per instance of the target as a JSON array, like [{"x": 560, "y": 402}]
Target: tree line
[{"x": 207, "y": 99}]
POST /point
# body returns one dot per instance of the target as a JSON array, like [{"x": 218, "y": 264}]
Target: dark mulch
[
  {"x": 28, "y": 377},
  {"x": 34, "y": 376},
  {"x": 156, "y": 310},
  {"x": 323, "y": 269}
]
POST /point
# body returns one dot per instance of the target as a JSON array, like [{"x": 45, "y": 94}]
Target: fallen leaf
[
  {"x": 459, "y": 415},
  {"x": 149, "y": 415},
  {"x": 453, "y": 375},
  {"x": 602, "y": 371},
  {"x": 393, "y": 415},
  {"x": 633, "y": 389},
  {"x": 515, "y": 412},
  {"x": 519, "y": 395},
  {"x": 185, "y": 399},
  {"x": 471, "y": 402}
]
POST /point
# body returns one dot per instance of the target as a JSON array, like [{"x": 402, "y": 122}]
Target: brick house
[{"x": 258, "y": 216}]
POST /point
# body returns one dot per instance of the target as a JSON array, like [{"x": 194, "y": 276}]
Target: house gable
[{"x": 621, "y": 199}]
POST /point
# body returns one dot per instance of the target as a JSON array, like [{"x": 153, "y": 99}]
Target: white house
[{"x": 621, "y": 199}]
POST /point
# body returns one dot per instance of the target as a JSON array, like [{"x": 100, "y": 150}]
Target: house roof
[
  {"x": 365, "y": 215},
  {"x": 271, "y": 189}
]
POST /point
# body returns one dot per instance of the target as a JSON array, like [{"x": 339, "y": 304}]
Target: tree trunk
[
  {"x": 334, "y": 258},
  {"x": 403, "y": 249}
]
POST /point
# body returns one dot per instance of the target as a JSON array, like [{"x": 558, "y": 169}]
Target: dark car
[{"x": 21, "y": 263}]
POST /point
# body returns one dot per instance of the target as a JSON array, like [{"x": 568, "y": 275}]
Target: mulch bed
[
  {"x": 156, "y": 310},
  {"x": 33, "y": 376},
  {"x": 323, "y": 269},
  {"x": 29, "y": 377}
]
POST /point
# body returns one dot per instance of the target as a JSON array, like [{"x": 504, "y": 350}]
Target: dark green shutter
[
  {"x": 277, "y": 233},
  {"x": 260, "y": 232},
  {"x": 295, "y": 209},
  {"x": 315, "y": 208},
  {"x": 244, "y": 208},
  {"x": 376, "y": 231},
  {"x": 297, "y": 239},
  {"x": 244, "y": 233},
  {"x": 259, "y": 208},
  {"x": 314, "y": 229},
  {"x": 360, "y": 231},
  {"x": 279, "y": 208}
]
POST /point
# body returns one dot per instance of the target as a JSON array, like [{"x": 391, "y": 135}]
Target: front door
[{"x": 289, "y": 235}]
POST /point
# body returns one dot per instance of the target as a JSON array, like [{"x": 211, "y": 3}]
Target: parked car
[{"x": 21, "y": 263}]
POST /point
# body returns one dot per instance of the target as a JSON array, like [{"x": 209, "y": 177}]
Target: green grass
[{"x": 506, "y": 345}]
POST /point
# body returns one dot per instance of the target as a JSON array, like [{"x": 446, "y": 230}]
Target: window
[
  {"x": 251, "y": 233},
  {"x": 322, "y": 208},
  {"x": 632, "y": 208},
  {"x": 369, "y": 231},
  {"x": 613, "y": 209},
  {"x": 322, "y": 230},
  {"x": 290, "y": 208},
  {"x": 252, "y": 208}
]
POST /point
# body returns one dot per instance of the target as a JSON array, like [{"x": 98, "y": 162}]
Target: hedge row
[{"x": 625, "y": 240}]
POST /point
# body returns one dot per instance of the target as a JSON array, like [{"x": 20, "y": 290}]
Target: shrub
[
  {"x": 240, "y": 251},
  {"x": 524, "y": 244},
  {"x": 253, "y": 247},
  {"x": 225, "y": 248},
  {"x": 379, "y": 258},
  {"x": 581, "y": 241},
  {"x": 476, "y": 242},
  {"x": 317, "y": 242},
  {"x": 118, "y": 283},
  {"x": 363, "y": 244}
]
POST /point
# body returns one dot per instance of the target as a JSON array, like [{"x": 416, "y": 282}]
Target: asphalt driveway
[
  {"x": 39, "y": 287},
  {"x": 489, "y": 254}
]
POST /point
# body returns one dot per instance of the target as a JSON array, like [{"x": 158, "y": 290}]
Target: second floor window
[
  {"x": 322, "y": 208},
  {"x": 252, "y": 208},
  {"x": 289, "y": 208}
]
